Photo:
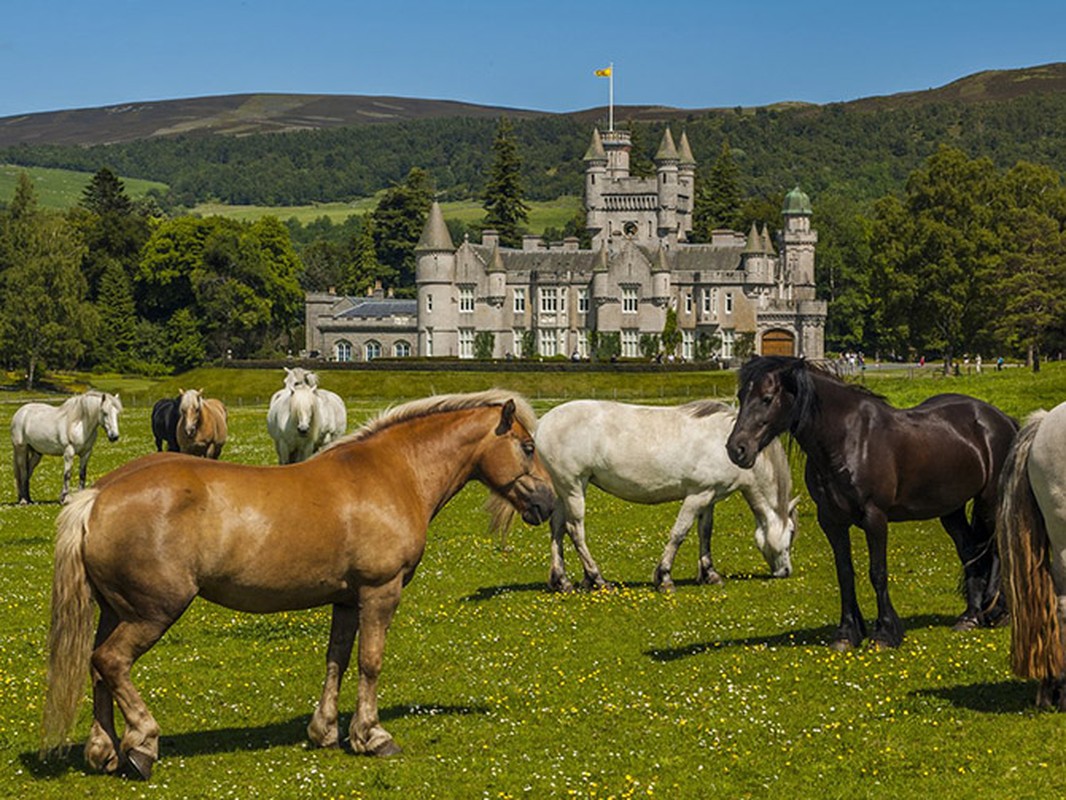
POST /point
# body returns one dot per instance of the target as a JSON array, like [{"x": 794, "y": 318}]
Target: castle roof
[
  {"x": 379, "y": 308},
  {"x": 667, "y": 150},
  {"x": 767, "y": 242},
  {"x": 684, "y": 152},
  {"x": 435, "y": 235},
  {"x": 755, "y": 243},
  {"x": 797, "y": 202},
  {"x": 596, "y": 151}
]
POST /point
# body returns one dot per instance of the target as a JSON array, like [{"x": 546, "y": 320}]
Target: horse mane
[
  {"x": 439, "y": 404},
  {"x": 797, "y": 374},
  {"x": 705, "y": 408}
]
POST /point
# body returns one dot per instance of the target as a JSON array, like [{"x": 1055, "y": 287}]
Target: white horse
[
  {"x": 302, "y": 419},
  {"x": 40, "y": 429},
  {"x": 1031, "y": 534},
  {"x": 649, "y": 454}
]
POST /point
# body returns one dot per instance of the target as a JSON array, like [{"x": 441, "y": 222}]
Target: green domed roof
[{"x": 797, "y": 202}]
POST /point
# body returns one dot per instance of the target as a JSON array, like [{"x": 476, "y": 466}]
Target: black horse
[
  {"x": 165, "y": 416},
  {"x": 869, "y": 464}
]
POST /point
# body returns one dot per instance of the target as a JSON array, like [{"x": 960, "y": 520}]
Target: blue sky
[{"x": 60, "y": 54}]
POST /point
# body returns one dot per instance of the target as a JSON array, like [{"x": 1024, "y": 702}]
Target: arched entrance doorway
[{"x": 778, "y": 343}]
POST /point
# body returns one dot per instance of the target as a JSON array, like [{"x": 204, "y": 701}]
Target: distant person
[{"x": 977, "y": 363}]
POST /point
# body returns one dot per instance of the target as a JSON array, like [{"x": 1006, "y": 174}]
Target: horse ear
[
  {"x": 793, "y": 503},
  {"x": 506, "y": 418}
]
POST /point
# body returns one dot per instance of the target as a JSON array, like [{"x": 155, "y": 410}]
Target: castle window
[
  {"x": 342, "y": 351},
  {"x": 548, "y": 344},
  {"x": 630, "y": 299},
  {"x": 466, "y": 343},
  {"x": 401, "y": 350},
  {"x": 630, "y": 343},
  {"x": 729, "y": 338},
  {"x": 549, "y": 300},
  {"x": 520, "y": 301},
  {"x": 583, "y": 343},
  {"x": 429, "y": 302},
  {"x": 372, "y": 350},
  {"x": 688, "y": 345},
  {"x": 466, "y": 299},
  {"x": 729, "y": 302},
  {"x": 688, "y": 302},
  {"x": 582, "y": 301},
  {"x": 429, "y": 343},
  {"x": 709, "y": 298}
]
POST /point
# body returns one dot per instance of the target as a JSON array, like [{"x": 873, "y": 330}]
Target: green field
[
  {"x": 497, "y": 688},
  {"x": 62, "y": 188}
]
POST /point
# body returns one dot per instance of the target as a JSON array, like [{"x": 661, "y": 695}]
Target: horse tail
[
  {"x": 70, "y": 637},
  {"x": 1036, "y": 645}
]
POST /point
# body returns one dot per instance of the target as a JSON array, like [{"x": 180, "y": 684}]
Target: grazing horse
[
  {"x": 346, "y": 528},
  {"x": 303, "y": 419},
  {"x": 165, "y": 416},
  {"x": 202, "y": 428},
  {"x": 869, "y": 464},
  {"x": 649, "y": 454},
  {"x": 1031, "y": 530},
  {"x": 39, "y": 429}
]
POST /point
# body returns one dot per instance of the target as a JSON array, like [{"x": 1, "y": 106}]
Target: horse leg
[
  {"x": 557, "y": 579},
  {"x": 852, "y": 629},
  {"x": 33, "y": 458},
  {"x": 112, "y": 661},
  {"x": 377, "y": 604},
  {"x": 974, "y": 581},
  {"x": 575, "y": 527},
  {"x": 323, "y": 727},
  {"x": 690, "y": 508},
  {"x": 888, "y": 630},
  {"x": 101, "y": 749},
  {"x": 68, "y": 466},
  {"x": 21, "y": 463},
  {"x": 992, "y": 601},
  {"x": 83, "y": 467},
  {"x": 705, "y": 528}
]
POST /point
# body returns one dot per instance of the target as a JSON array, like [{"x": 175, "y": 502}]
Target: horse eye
[
  {"x": 528, "y": 448},
  {"x": 767, "y": 399}
]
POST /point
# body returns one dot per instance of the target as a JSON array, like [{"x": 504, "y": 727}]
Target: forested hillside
[{"x": 860, "y": 150}]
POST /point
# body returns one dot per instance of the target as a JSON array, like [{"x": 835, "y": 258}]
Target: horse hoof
[
  {"x": 665, "y": 587},
  {"x": 388, "y": 748},
  {"x": 965, "y": 623},
  {"x": 564, "y": 586},
  {"x": 140, "y": 765},
  {"x": 711, "y": 578}
]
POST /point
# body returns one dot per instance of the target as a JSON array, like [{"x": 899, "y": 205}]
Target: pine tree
[
  {"x": 118, "y": 319},
  {"x": 505, "y": 210},
  {"x": 106, "y": 194},
  {"x": 398, "y": 221},
  {"x": 717, "y": 198}
]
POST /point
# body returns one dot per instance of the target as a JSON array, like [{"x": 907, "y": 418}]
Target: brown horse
[
  {"x": 201, "y": 424},
  {"x": 869, "y": 464},
  {"x": 346, "y": 527}
]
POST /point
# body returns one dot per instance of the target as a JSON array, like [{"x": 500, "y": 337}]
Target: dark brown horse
[
  {"x": 345, "y": 528},
  {"x": 869, "y": 464}
]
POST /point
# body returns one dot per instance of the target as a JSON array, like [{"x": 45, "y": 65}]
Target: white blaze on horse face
[{"x": 110, "y": 408}]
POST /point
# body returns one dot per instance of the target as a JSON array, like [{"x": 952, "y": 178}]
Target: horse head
[
  {"x": 775, "y": 393},
  {"x": 192, "y": 402},
  {"x": 110, "y": 408},
  {"x": 510, "y": 467},
  {"x": 302, "y": 406}
]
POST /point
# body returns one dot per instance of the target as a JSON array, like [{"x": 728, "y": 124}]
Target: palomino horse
[
  {"x": 869, "y": 464},
  {"x": 1031, "y": 530},
  {"x": 202, "y": 427},
  {"x": 302, "y": 418},
  {"x": 346, "y": 528},
  {"x": 648, "y": 454},
  {"x": 39, "y": 429},
  {"x": 166, "y": 414}
]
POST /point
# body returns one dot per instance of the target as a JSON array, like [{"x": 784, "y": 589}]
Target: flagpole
[{"x": 610, "y": 106}]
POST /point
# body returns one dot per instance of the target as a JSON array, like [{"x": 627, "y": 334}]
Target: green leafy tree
[
  {"x": 718, "y": 200},
  {"x": 605, "y": 345},
  {"x": 364, "y": 269},
  {"x": 843, "y": 274},
  {"x": 44, "y": 317},
  {"x": 529, "y": 344},
  {"x": 185, "y": 344},
  {"x": 649, "y": 345},
  {"x": 398, "y": 221},
  {"x": 505, "y": 210},
  {"x": 484, "y": 345},
  {"x": 671, "y": 335},
  {"x": 640, "y": 163}
]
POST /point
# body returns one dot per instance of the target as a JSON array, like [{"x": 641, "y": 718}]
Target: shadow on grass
[
  {"x": 1001, "y": 697},
  {"x": 807, "y": 637},
  {"x": 492, "y": 592},
  {"x": 231, "y": 740}
]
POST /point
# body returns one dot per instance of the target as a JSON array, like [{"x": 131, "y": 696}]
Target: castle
[{"x": 559, "y": 299}]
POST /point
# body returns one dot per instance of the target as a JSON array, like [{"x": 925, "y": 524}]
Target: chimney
[{"x": 490, "y": 238}]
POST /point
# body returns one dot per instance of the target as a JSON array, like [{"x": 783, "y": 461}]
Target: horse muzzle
[
  {"x": 112, "y": 437},
  {"x": 741, "y": 453},
  {"x": 539, "y": 505}
]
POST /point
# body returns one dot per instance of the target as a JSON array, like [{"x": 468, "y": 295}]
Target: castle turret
[
  {"x": 435, "y": 279},
  {"x": 666, "y": 168},
  {"x": 660, "y": 278},
  {"x": 686, "y": 187},
  {"x": 595, "y": 185},
  {"x": 497, "y": 279},
  {"x": 755, "y": 260},
  {"x": 797, "y": 244}
]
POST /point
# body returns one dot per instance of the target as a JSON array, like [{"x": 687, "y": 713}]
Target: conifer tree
[
  {"x": 106, "y": 194},
  {"x": 505, "y": 210},
  {"x": 717, "y": 198}
]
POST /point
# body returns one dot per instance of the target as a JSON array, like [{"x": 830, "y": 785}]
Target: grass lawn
[
  {"x": 62, "y": 188},
  {"x": 497, "y": 688}
]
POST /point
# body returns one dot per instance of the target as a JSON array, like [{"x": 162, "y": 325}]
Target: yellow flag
[{"x": 603, "y": 73}]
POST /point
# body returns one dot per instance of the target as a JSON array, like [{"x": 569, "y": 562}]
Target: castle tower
[
  {"x": 666, "y": 170},
  {"x": 686, "y": 187},
  {"x": 595, "y": 186},
  {"x": 435, "y": 279},
  {"x": 755, "y": 259},
  {"x": 797, "y": 244}
]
